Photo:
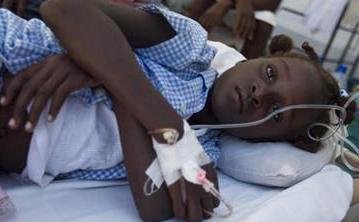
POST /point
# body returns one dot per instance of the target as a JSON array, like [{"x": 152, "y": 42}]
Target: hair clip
[{"x": 343, "y": 93}]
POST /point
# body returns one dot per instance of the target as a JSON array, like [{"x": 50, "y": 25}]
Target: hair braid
[{"x": 282, "y": 45}]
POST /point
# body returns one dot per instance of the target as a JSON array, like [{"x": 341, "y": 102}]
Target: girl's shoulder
[{"x": 187, "y": 47}]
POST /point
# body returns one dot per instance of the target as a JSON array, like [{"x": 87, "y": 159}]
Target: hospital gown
[{"x": 178, "y": 68}]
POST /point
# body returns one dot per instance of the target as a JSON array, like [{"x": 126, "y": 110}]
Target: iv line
[{"x": 332, "y": 131}]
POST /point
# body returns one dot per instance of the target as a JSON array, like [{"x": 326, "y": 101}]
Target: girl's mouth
[{"x": 239, "y": 99}]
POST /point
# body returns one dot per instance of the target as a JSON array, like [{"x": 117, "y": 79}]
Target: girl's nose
[{"x": 256, "y": 96}]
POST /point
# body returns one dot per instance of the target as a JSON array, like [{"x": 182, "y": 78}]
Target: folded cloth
[{"x": 88, "y": 140}]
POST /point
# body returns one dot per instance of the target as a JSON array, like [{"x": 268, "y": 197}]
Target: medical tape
[
  {"x": 154, "y": 180},
  {"x": 183, "y": 158}
]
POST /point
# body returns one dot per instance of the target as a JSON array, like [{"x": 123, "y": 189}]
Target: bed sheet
[{"x": 325, "y": 196}]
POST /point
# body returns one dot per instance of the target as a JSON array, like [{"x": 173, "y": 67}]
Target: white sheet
[{"x": 325, "y": 197}]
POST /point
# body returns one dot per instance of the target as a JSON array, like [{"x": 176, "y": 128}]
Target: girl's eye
[
  {"x": 276, "y": 117},
  {"x": 270, "y": 73}
]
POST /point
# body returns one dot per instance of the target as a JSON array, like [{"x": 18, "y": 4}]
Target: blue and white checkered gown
[{"x": 178, "y": 68}]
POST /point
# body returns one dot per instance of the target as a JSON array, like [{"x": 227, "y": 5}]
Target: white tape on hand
[{"x": 181, "y": 159}]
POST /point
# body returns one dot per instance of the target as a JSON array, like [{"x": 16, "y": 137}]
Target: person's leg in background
[
  {"x": 193, "y": 8},
  {"x": 255, "y": 33},
  {"x": 255, "y": 46}
]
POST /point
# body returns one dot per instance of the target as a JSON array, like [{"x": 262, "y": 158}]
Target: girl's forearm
[
  {"x": 94, "y": 34},
  {"x": 138, "y": 155}
]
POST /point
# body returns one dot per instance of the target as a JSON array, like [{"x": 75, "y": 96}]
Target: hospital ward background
[{"x": 258, "y": 181}]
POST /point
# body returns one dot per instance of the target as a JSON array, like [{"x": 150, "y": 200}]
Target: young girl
[{"x": 155, "y": 65}]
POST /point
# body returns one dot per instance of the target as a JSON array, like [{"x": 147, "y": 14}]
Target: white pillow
[{"x": 273, "y": 164}]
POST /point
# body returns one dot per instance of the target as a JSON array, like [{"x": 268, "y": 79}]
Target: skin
[
  {"x": 17, "y": 5},
  {"x": 116, "y": 70},
  {"x": 263, "y": 86},
  {"x": 56, "y": 81}
]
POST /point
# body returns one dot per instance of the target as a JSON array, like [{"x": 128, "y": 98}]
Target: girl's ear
[{"x": 302, "y": 141}]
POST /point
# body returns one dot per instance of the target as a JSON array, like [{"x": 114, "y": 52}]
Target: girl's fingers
[
  {"x": 58, "y": 101},
  {"x": 207, "y": 204},
  {"x": 176, "y": 196},
  {"x": 16, "y": 84},
  {"x": 21, "y": 103},
  {"x": 28, "y": 90},
  {"x": 42, "y": 97},
  {"x": 35, "y": 112},
  {"x": 13, "y": 89},
  {"x": 194, "y": 208},
  {"x": 212, "y": 176}
]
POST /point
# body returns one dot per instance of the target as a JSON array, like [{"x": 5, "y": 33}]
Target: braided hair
[{"x": 281, "y": 46}]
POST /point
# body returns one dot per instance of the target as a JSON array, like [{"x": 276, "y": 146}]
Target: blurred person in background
[{"x": 210, "y": 13}]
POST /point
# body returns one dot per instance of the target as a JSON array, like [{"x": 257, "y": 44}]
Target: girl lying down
[{"x": 148, "y": 69}]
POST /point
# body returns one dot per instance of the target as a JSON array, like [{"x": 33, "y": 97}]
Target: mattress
[{"x": 325, "y": 196}]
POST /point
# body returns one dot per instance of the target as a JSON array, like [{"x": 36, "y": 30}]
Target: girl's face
[{"x": 253, "y": 89}]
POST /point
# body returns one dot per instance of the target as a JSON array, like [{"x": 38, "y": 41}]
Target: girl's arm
[
  {"x": 100, "y": 37},
  {"x": 138, "y": 155},
  {"x": 105, "y": 37}
]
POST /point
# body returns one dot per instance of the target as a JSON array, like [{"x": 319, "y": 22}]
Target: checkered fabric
[
  {"x": 178, "y": 68},
  {"x": 209, "y": 141}
]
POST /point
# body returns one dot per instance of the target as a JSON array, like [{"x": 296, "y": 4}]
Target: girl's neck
[{"x": 206, "y": 115}]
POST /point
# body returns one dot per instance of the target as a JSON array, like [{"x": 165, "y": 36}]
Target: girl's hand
[
  {"x": 55, "y": 77},
  {"x": 245, "y": 19},
  {"x": 190, "y": 201},
  {"x": 20, "y": 6}
]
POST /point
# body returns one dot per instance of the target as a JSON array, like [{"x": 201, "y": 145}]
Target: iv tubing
[
  {"x": 271, "y": 115},
  {"x": 333, "y": 131}
]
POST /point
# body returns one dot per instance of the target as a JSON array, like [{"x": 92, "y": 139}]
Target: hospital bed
[{"x": 325, "y": 196}]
